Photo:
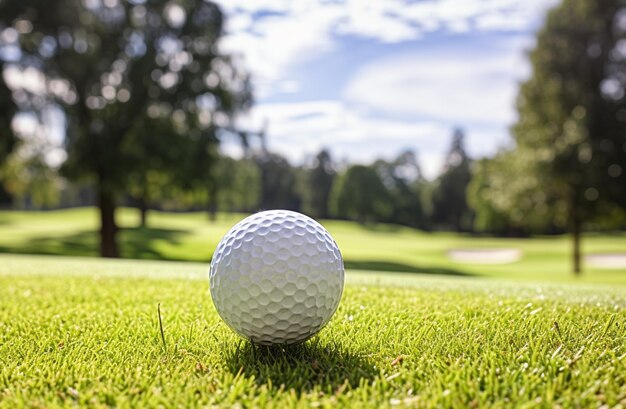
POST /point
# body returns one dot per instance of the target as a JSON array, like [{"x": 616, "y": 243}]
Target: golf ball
[{"x": 276, "y": 278}]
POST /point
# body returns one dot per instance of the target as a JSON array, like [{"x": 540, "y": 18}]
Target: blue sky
[{"x": 368, "y": 79}]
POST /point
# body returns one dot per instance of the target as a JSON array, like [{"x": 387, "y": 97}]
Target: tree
[
  {"x": 403, "y": 180},
  {"x": 488, "y": 218},
  {"x": 360, "y": 195},
  {"x": 8, "y": 109},
  {"x": 318, "y": 185},
  {"x": 450, "y": 208},
  {"x": 155, "y": 149},
  {"x": 111, "y": 66},
  {"x": 570, "y": 156},
  {"x": 7, "y": 137},
  {"x": 278, "y": 183},
  {"x": 31, "y": 182},
  {"x": 239, "y": 185}
]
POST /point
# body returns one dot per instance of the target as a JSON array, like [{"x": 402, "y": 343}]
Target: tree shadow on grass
[
  {"x": 139, "y": 242},
  {"x": 376, "y": 265},
  {"x": 133, "y": 243},
  {"x": 300, "y": 367}
]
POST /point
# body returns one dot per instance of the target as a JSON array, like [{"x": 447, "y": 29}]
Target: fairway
[
  {"x": 379, "y": 247},
  {"x": 85, "y": 331}
]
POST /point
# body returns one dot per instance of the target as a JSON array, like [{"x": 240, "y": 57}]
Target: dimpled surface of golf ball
[{"x": 276, "y": 278}]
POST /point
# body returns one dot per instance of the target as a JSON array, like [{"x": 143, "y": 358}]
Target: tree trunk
[
  {"x": 212, "y": 211},
  {"x": 576, "y": 242},
  {"x": 108, "y": 228},
  {"x": 143, "y": 211}
]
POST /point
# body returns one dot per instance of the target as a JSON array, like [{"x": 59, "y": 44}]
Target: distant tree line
[
  {"x": 392, "y": 191},
  {"x": 385, "y": 191}
]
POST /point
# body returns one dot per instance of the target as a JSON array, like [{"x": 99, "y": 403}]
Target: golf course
[
  {"x": 312, "y": 204},
  {"x": 413, "y": 329}
]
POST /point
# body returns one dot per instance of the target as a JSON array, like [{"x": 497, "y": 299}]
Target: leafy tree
[
  {"x": 32, "y": 183},
  {"x": 113, "y": 65},
  {"x": 569, "y": 164},
  {"x": 488, "y": 218},
  {"x": 425, "y": 188},
  {"x": 155, "y": 149},
  {"x": 239, "y": 184},
  {"x": 450, "y": 208},
  {"x": 7, "y": 138},
  {"x": 318, "y": 185},
  {"x": 403, "y": 180},
  {"x": 278, "y": 183},
  {"x": 360, "y": 195},
  {"x": 8, "y": 109}
]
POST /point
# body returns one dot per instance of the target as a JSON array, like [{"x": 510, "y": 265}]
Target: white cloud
[
  {"x": 449, "y": 85},
  {"x": 289, "y": 87},
  {"x": 377, "y": 20},
  {"x": 244, "y": 6},
  {"x": 453, "y": 12},
  {"x": 274, "y": 35},
  {"x": 238, "y": 22},
  {"x": 298, "y": 130},
  {"x": 275, "y": 43}
]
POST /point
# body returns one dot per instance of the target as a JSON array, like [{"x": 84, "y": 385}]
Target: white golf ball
[{"x": 277, "y": 277}]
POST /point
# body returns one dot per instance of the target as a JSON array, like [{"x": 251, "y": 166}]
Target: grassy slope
[
  {"x": 85, "y": 331},
  {"x": 383, "y": 247}
]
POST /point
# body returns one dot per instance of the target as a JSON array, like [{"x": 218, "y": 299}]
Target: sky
[{"x": 371, "y": 78}]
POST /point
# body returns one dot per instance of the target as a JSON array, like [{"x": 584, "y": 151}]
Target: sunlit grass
[
  {"x": 380, "y": 247},
  {"x": 85, "y": 332}
]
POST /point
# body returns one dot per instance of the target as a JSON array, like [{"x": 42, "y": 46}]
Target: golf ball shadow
[{"x": 302, "y": 367}]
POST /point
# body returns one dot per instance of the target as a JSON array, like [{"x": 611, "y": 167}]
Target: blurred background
[{"x": 432, "y": 136}]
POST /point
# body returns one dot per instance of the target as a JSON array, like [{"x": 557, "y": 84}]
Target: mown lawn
[
  {"x": 380, "y": 248},
  {"x": 77, "y": 331}
]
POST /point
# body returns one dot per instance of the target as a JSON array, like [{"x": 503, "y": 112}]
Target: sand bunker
[
  {"x": 607, "y": 260},
  {"x": 485, "y": 256}
]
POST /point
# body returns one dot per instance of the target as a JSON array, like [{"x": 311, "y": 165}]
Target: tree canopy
[
  {"x": 450, "y": 206},
  {"x": 140, "y": 83},
  {"x": 278, "y": 183},
  {"x": 570, "y": 154},
  {"x": 360, "y": 195},
  {"x": 402, "y": 177},
  {"x": 318, "y": 185}
]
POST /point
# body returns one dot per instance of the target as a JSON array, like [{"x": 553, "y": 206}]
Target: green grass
[
  {"x": 380, "y": 248},
  {"x": 84, "y": 332}
]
